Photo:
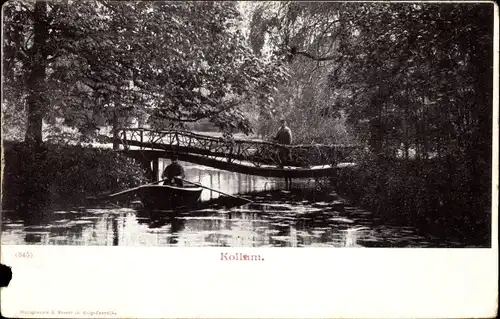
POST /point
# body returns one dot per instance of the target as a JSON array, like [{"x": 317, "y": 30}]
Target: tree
[
  {"x": 104, "y": 62},
  {"x": 298, "y": 34},
  {"x": 410, "y": 76}
]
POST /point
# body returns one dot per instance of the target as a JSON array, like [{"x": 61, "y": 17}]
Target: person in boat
[
  {"x": 173, "y": 173},
  {"x": 284, "y": 137}
]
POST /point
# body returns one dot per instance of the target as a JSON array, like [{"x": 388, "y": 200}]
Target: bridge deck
[{"x": 245, "y": 168}]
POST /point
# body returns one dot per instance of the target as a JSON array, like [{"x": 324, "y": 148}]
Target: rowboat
[
  {"x": 154, "y": 197},
  {"x": 166, "y": 197}
]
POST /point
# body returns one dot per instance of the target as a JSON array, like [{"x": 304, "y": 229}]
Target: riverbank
[
  {"x": 447, "y": 198},
  {"x": 58, "y": 174}
]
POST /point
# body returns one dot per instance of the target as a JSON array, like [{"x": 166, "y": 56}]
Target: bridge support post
[
  {"x": 288, "y": 183},
  {"x": 155, "y": 168}
]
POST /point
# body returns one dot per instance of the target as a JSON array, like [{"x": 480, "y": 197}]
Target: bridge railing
[{"x": 255, "y": 152}]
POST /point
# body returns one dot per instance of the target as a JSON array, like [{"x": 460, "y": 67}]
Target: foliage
[
  {"x": 305, "y": 103},
  {"x": 63, "y": 174},
  {"x": 434, "y": 195},
  {"x": 103, "y": 62},
  {"x": 307, "y": 100},
  {"x": 407, "y": 75}
]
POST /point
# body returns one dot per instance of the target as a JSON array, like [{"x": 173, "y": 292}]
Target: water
[{"x": 275, "y": 219}]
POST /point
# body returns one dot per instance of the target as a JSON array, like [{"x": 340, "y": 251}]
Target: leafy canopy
[
  {"x": 407, "y": 75},
  {"x": 104, "y": 62}
]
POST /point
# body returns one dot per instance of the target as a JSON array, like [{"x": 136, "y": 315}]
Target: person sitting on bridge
[
  {"x": 284, "y": 136},
  {"x": 173, "y": 173}
]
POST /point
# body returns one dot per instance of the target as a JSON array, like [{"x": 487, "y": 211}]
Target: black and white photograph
[
  {"x": 247, "y": 124},
  {"x": 244, "y": 156}
]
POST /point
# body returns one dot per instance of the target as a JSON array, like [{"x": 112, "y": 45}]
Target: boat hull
[{"x": 167, "y": 197}]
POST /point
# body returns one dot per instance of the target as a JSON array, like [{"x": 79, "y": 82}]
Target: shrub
[
  {"x": 444, "y": 195},
  {"x": 64, "y": 174}
]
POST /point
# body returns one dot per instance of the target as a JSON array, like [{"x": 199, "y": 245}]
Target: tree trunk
[
  {"x": 36, "y": 78},
  {"x": 116, "y": 144}
]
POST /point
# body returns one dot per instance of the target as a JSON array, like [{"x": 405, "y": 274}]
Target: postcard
[{"x": 234, "y": 159}]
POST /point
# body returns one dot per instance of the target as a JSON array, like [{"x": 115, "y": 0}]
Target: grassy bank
[
  {"x": 447, "y": 197},
  {"x": 54, "y": 174}
]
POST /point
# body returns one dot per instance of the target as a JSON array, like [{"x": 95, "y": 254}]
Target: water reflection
[
  {"x": 275, "y": 219},
  {"x": 233, "y": 228}
]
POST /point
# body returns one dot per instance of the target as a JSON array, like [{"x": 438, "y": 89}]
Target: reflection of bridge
[{"x": 251, "y": 157}]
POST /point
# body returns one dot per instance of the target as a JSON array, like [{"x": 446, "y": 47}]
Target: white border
[{"x": 290, "y": 283}]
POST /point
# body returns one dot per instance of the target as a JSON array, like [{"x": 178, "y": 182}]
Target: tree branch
[
  {"x": 314, "y": 57},
  {"x": 199, "y": 115},
  {"x": 21, "y": 51},
  {"x": 23, "y": 5},
  {"x": 183, "y": 120},
  {"x": 24, "y": 45}
]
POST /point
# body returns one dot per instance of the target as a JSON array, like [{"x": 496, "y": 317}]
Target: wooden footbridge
[{"x": 253, "y": 157}]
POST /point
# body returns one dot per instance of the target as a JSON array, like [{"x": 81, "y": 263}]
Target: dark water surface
[{"x": 275, "y": 219}]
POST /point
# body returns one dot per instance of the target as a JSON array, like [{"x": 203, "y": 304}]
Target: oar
[
  {"x": 217, "y": 191},
  {"x": 126, "y": 191}
]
